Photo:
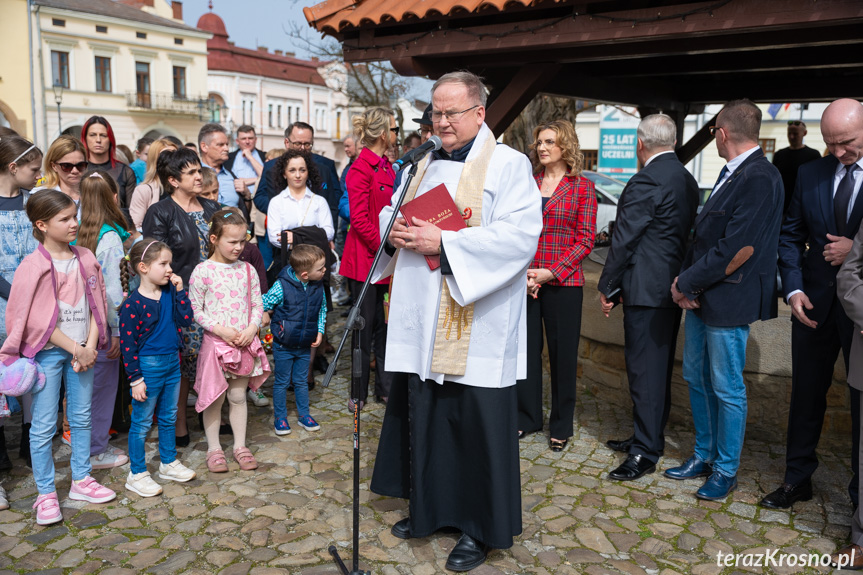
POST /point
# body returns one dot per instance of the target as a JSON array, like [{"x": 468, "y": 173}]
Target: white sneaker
[
  {"x": 143, "y": 484},
  {"x": 4, "y": 502},
  {"x": 176, "y": 471},
  {"x": 191, "y": 400},
  {"x": 258, "y": 398},
  {"x": 109, "y": 459}
]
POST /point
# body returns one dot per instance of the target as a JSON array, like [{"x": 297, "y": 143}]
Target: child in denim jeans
[
  {"x": 150, "y": 318},
  {"x": 298, "y": 323}
]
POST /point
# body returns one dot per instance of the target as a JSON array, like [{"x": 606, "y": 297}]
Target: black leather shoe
[
  {"x": 402, "y": 529},
  {"x": 467, "y": 554},
  {"x": 690, "y": 469},
  {"x": 787, "y": 494},
  {"x": 634, "y": 467},
  {"x": 620, "y": 444}
]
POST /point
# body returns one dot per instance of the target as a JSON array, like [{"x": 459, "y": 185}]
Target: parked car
[{"x": 608, "y": 191}]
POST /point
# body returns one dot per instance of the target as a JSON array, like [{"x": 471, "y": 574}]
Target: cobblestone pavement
[{"x": 282, "y": 517}]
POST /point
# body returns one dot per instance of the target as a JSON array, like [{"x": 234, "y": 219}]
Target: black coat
[
  {"x": 731, "y": 265},
  {"x": 167, "y": 222},
  {"x": 654, "y": 219}
]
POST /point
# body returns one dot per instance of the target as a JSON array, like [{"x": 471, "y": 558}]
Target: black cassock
[{"x": 452, "y": 451}]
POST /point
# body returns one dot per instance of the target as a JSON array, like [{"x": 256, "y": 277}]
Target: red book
[{"x": 437, "y": 207}]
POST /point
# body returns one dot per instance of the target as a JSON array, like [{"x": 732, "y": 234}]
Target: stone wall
[{"x": 602, "y": 370}]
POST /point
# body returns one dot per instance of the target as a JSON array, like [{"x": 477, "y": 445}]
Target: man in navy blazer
[
  {"x": 301, "y": 136},
  {"x": 823, "y": 216},
  {"x": 728, "y": 281},
  {"x": 651, "y": 232}
]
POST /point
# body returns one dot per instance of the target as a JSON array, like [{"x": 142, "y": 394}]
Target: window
[
  {"x": 179, "y": 82},
  {"x": 141, "y": 35},
  {"x": 102, "y": 29},
  {"x": 279, "y": 116},
  {"x": 142, "y": 83},
  {"x": 338, "y": 125},
  {"x": 58, "y": 22},
  {"x": 178, "y": 41},
  {"x": 270, "y": 114},
  {"x": 591, "y": 157},
  {"x": 244, "y": 113},
  {"x": 103, "y": 74},
  {"x": 768, "y": 146},
  {"x": 60, "y": 68}
]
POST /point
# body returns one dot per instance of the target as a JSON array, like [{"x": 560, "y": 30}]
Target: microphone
[{"x": 417, "y": 154}]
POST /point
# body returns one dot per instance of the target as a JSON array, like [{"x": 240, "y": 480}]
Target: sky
[{"x": 253, "y": 23}]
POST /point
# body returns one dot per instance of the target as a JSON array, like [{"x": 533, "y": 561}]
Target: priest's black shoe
[
  {"x": 787, "y": 494},
  {"x": 467, "y": 554},
  {"x": 402, "y": 529},
  {"x": 634, "y": 467},
  {"x": 620, "y": 444}
]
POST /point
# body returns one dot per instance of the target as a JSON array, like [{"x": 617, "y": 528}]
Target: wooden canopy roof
[{"x": 673, "y": 55}]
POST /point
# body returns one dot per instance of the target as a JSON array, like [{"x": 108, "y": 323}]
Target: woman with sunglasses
[
  {"x": 370, "y": 188},
  {"x": 65, "y": 164}
]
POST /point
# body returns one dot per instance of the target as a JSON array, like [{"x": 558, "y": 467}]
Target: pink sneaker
[
  {"x": 88, "y": 489},
  {"x": 47, "y": 509}
]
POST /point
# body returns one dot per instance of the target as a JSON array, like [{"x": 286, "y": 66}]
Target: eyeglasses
[
  {"x": 450, "y": 116},
  {"x": 395, "y": 130},
  {"x": 795, "y": 123},
  {"x": 68, "y": 166},
  {"x": 714, "y": 129},
  {"x": 426, "y": 130},
  {"x": 303, "y": 145},
  {"x": 547, "y": 143}
]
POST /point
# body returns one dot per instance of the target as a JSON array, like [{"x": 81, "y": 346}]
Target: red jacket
[
  {"x": 370, "y": 189},
  {"x": 568, "y": 230}
]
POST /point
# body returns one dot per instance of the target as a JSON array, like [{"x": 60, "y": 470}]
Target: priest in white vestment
[{"x": 456, "y": 336}]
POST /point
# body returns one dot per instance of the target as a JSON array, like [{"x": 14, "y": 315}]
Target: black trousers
[
  {"x": 373, "y": 334},
  {"x": 559, "y": 308},
  {"x": 650, "y": 337},
  {"x": 813, "y": 356}
]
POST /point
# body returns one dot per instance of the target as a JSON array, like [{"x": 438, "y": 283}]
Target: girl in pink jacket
[{"x": 57, "y": 315}]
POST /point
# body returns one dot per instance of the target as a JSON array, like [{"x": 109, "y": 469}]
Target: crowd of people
[{"x": 164, "y": 264}]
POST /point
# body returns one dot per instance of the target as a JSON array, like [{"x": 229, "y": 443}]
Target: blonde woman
[
  {"x": 370, "y": 189},
  {"x": 65, "y": 164},
  {"x": 150, "y": 190},
  {"x": 555, "y": 279}
]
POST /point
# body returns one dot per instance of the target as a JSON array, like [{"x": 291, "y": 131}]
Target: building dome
[{"x": 211, "y": 22}]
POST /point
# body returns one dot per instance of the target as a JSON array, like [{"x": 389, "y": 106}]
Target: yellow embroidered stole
[{"x": 452, "y": 337}]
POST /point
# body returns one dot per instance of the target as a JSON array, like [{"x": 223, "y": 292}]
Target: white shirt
[
  {"x": 286, "y": 213},
  {"x": 489, "y": 264},
  {"x": 650, "y": 159}
]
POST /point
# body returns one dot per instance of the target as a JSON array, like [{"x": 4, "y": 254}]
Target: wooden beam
[
  {"x": 511, "y": 100},
  {"x": 696, "y": 143}
]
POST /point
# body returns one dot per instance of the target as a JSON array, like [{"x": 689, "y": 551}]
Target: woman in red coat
[
  {"x": 555, "y": 279},
  {"x": 370, "y": 188}
]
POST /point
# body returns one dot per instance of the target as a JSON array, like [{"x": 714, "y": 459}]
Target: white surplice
[{"x": 489, "y": 265}]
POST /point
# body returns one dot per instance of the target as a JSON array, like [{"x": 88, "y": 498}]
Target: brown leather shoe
[{"x": 850, "y": 558}]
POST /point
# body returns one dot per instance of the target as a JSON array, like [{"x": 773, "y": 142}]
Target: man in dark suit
[
  {"x": 824, "y": 215},
  {"x": 654, "y": 218},
  {"x": 728, "y": 281},
  {"x": 301, "y": 136}
]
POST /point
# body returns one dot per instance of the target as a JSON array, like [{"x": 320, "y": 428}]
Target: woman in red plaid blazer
[{"x": 555, "y": 279}]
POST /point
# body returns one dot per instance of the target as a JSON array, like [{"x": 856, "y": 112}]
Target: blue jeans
[
  {"x": 162, "y": 378},
  {"x": 57, "y": 365},
  {"x": 713, "y": 361},
  {"x": 292, "y": 366},
  {"x": 266, "y": 250}
]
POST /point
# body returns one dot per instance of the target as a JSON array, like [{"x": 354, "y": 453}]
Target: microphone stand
[{"x": 354, "y": 325}]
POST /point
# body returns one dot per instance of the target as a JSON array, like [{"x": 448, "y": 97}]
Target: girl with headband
[{"x": 150, "y": 322}]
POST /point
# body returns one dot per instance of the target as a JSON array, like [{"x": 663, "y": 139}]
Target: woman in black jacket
[{"x": 182, "y": 221}]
